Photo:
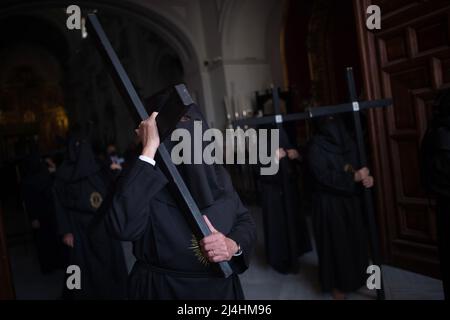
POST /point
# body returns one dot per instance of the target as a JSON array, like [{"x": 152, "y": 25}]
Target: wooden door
[{"x": 408, "y": 60}]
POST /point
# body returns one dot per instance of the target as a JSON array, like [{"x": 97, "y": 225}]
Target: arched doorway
[{"x": 151, "y": 18}]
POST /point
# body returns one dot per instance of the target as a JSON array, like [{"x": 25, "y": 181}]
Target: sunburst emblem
[
  {"x": 349, "y": 168},
  {"x": 195, "y": 247},
  {"x": 96, "y": 200}
]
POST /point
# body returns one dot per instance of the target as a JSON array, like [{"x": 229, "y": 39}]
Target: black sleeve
[
  {"x": 333, "y": 180},
  {"x": 128, "y": 207},
  {"x": 244, "y": 234}
]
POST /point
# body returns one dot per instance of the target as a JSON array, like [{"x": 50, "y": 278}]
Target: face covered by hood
[
  {"x": 334, "y": 134},
  {"x": 205, "y": 182},
  {"x": 80, "y": 160}
]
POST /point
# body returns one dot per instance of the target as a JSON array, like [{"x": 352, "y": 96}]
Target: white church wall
[
  {"x": 237, "y": 42},
  {"x": 245, "y": 42},
  {"x": 238, "y": 39},
  {"x": 242, "y": 82}
]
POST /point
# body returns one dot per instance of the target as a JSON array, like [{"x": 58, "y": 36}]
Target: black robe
[
  {"x": 37, "y": 186},
  {"x": 338, "y": 220},
  {"x": 169, "y": 262},
  {"x": 286, "y": 233},
  {"x": 436, "y": 179},
  {"x": 79, "y": 190}
]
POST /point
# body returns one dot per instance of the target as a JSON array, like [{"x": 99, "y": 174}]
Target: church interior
[{"x": 230, "y": 54}]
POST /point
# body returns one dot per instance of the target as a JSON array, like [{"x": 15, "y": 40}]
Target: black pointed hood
[
  {"x": 333, "y": 135},
  {"x": 80, "y": 162},
  {"x": 205, "y": 182}
]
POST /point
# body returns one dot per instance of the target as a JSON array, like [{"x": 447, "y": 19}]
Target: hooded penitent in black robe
[
  {"x": 286, "y": 235},
  {"x": 169, "y": 263},
  {"x": 337, "y": 212},
  {"x": 80, "y": 188},
  {"x": 435, "y": 152},
  {"x": 37, "y": 186}
]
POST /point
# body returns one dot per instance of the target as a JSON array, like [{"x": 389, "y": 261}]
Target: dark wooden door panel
[{"x": 408, "y": 60}]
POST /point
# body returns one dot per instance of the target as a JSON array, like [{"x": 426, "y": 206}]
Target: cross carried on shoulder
[
  {"x": 355, "y": 106},
  {"x": 132, "y": 99}
]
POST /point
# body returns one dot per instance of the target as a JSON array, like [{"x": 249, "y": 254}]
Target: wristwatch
[{"x": 239, "y": 252}]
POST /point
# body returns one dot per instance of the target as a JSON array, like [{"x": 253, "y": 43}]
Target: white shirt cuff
[{"x": 147, "y": 159}]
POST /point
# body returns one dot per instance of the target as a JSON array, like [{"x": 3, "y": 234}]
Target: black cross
[
  {"x": 132, "y": 99},
  {"x": 354, "y": 106}
]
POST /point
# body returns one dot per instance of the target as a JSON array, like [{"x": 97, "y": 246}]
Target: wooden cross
[
  {"x": 132, "y": 99},
  {"x": 353, "y": 106}
]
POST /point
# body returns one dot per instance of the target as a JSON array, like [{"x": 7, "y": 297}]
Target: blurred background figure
[
  {"x": 114, "y": 161},
  {"x": 286, "y": 236},
  {"x": 435, "y": 163},
  {"x": 37, "y": 184},
  {"x": 81, "y": 186}
]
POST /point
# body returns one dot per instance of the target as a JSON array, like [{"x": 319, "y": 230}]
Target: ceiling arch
[{"x": 157, "y": 20}]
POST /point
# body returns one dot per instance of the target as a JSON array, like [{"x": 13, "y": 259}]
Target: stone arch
[{"x": 163, "y": 23}]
